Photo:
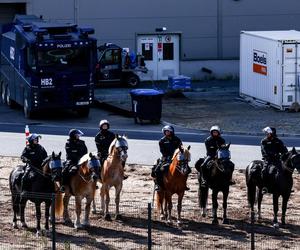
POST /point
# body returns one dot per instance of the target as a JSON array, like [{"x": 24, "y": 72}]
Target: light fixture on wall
[{"x": 160, "y": 29}]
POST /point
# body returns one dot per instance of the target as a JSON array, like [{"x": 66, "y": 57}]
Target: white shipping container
[{"x": 270, "y": 66}]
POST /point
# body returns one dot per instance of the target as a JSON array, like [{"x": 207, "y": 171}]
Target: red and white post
[{"x": 27, "y": 133}]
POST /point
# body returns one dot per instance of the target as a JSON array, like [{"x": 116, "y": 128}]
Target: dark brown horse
[
  {"x": 40, "y": 189},
  {"x": 219, "y": 176},
  {"x": 280, "y": 184},
  {"x": 81, "y": 185},
  {"x": 174, "y": 183}
]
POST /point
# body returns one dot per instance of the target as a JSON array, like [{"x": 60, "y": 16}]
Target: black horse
[
  {"x": 41, "y": 186},
  {"x": 219, "y": 174},
  {"x": 280, "y": 183}
]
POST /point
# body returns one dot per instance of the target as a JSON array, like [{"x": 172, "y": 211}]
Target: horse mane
[
  {"x": 112, "y": 146},
  {"x": 84, "y": 158},
  {"x": 45, "y": 161},
  {"x": 185, "y": 151}
]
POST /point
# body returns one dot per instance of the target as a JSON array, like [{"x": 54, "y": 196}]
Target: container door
[
  {"x": 291, "y": 72},
  {"x": 168, "y": 56},
  {"x": 147, "y": 46}
]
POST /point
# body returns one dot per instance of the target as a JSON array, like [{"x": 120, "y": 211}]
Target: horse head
[
  {"x": 183, "y": 157},
  {"x": 223, "y": 163},
  {"x": 52, "y": 166},
  {"x": 291, "y": 160},
  {"x": 119, "y": 146},
  {"x": 94, "y": 162}
]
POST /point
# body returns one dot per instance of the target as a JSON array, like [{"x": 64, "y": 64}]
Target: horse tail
[
  {"x": 251, "y": 185},
  {"x": 202, "y": 194},
  {"x": 59, "y": 205}
]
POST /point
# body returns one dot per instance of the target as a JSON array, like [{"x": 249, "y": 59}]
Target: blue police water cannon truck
[{"x": 47, "y": 65}]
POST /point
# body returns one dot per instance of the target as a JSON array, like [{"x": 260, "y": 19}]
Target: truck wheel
[
  {"x": 10, "y": 103},
  {"x": 132, "y": 81},
  {"x": 27, "y": 110},
  {"x": 83, "y": 112},
  {"x": 3, "y": 93}
]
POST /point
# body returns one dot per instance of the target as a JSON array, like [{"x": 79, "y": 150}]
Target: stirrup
[
  {"x": 125, "y": 177},
  {"x": 62, "y": 189},
  {"x": 157, "y": 188},
  {"x": 264, "y": 190},
  {"x": 203, "y": 183}
]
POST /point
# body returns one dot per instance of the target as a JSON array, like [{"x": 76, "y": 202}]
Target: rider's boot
[{"x": 24, "y": 181}]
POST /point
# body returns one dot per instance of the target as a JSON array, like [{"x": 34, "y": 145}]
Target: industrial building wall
[{"x": 210, "y": 28}]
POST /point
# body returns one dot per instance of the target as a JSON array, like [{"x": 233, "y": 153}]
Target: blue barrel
[{"x": 146, "y": 104}]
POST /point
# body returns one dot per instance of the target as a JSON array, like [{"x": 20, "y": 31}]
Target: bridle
[{"x": 95, "y": 164}]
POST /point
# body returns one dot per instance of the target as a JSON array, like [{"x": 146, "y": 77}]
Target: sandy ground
[{"x": 131, "y": 231}]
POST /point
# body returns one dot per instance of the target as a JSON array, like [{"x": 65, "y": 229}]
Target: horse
[
  {"x": 40, "y": 188},
  {"x": 219, "y": 176},
  {"x": 112, "y": 174},
  {"x": 81, "y": 185},
  {"x": 174, "y": 182},
  {"x": 281, "y": 183}
]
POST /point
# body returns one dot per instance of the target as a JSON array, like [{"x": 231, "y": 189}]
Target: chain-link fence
[{"x": 140, "y": 227}]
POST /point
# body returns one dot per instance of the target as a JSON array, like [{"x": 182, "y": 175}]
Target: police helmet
[
  {"x": 215, "y": 128},
  {"x": 168, "y": 128},
  {"x": 102, "y": 122},
  {"x": 33, "y": 137},
  {"x": 73, "y": 132},
  {"x": 268, "y": 130}
]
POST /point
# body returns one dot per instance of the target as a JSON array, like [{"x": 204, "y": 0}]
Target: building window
[
  {"x": 147, "y": 51},
  {"x": 168, "y": 51}
]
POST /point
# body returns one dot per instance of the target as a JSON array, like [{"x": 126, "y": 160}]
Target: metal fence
[{"x": 140, "y": 227}]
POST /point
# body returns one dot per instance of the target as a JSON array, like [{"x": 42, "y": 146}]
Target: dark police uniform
[{"x": 103, "y": 140}]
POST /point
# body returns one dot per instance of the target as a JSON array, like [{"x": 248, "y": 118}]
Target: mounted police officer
[
  {"x": 212, "y": 144},
  {"x": 75, "y": 149},
  {"x": 103, "y": 140},
  {"x": 33, "y": 155},
  {"x": 167, "y": 145},
  {"x": 272, "y": 149}
]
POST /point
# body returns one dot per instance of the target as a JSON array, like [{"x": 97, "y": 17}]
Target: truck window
[
  {"x": 111, "y": 56},
  {"x": 31, "y": 62},
  {"x": 79, "y": 57}
]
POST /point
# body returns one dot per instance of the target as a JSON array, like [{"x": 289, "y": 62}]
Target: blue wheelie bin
[{"x": 146, "y": 105}]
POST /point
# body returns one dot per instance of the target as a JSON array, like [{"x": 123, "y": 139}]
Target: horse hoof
[
  {"x": 24, "y": 225},
  {"x": 169, "y": 221},
  {"x": 15, "y": 226},
  {"x": 118, "y": 217},
  {"x": 276, "y": 225},
  {"x": 225, "y": 221},
  {"x": 203, "y": 215},
  {"x": 215, "y": 222},
  {"x": 86, "y": 224},
  {"x": 179, "y": 222},
  {"x": 78, "y": 226},
  {"x": 38, "y": 233},
  {"x": 162, "y": 217},
  {"x": 107, "y": 217}
]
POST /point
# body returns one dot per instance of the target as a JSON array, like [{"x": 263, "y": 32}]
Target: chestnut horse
[
  {"x": 280, "y": 184},
  {"x": 81, "y": 185},
  {"x": 112, "y": 174},
  {"x": 174, "y": 183},
  {"x": 42, "y": 185}
]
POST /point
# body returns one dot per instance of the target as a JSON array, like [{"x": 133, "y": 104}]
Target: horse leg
[
  {"x": 16, "y": 206},
  {"x": 94, "y": 210},
  {"x": 169, "y": 206},
  {"x": 86, "y": 221},
  {"x": 117, "y": 201},
  {"x": 38, "y": 218},
  {"x": 102, "y": 198},
  {"x": 225, "y": 196},
  {"x": 66, "y": 216},
  {"x": 78, "y": 200},
  {"x": 23, "y": 202},
  {"x": 275, "y": 210},
  {"x": 160, "y": 204},
  {"x": 107, "y": 200},
  {"x": 285, "y": 199},
  {"x": 215, "y": 206},
  {"x": 179, "y": 207},
  {"x": 251, "y": 196},
  {"x": 202, "y": 197},
  {"x": 259, "y": 200}
]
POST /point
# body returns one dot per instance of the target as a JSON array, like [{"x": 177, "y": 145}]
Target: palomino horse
[
  {"x": 219, "y": 176},
  {"x": 40, "y": 189},
  {"x": 281, "y": 184},
  {"x": 174, "y": 183},
  {"x": 81, "y": 185},
  {"x": 112, "y": 174}
]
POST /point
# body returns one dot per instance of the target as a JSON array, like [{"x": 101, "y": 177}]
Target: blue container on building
[
  {"x": 179, "y": 82},
  {"x": 146, "y": 104}
]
